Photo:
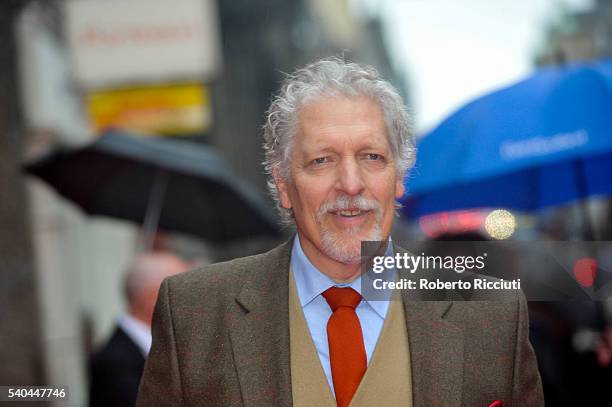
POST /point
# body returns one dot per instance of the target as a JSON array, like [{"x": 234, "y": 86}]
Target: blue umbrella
[{"x": 544, "y": 141}]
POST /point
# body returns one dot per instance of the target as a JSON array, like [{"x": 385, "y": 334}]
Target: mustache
[{"x": 343, "y": 202}]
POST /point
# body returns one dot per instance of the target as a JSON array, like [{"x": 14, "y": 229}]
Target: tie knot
[{"x": 341, "y": 297}]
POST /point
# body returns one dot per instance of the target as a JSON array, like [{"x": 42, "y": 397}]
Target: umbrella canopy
[
  {"x": 178, "y": 186},
  {"x": 543, "y": 141}
]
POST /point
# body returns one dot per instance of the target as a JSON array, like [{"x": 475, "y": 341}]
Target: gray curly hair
[{"x": 330, "y": 77}]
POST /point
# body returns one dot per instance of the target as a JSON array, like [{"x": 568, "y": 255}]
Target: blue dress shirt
[{"x": 310, "y": 284}]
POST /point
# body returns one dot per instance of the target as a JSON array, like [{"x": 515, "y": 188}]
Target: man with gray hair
[
  {"x": 117, "y": 367},
  {"x": 290, "y": 327}
]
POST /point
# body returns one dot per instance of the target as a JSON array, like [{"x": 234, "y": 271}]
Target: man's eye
[
  {"x": 374, "y": 157},
  {"x": 319, "y": 160}
]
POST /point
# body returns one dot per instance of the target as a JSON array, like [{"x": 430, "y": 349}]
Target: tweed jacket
[{"x": 221, "y": 338}]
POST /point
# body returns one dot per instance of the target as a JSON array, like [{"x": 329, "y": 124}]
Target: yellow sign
[{"x": 165, "y": 110}]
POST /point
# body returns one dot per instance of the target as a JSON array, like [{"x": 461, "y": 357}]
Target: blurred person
[
  {"x": 199, "y": 261},
  {"x": 117, "y": 367},
  {"x": 290, "y": 327}
]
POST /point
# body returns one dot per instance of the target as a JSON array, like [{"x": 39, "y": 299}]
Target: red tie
[{"x": 346, "y": 351}]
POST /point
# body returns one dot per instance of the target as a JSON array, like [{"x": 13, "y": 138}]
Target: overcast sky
[{"x": 455, "y": 50}]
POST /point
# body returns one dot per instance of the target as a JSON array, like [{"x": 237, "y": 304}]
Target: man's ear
[{"x": 281, "y": 186}]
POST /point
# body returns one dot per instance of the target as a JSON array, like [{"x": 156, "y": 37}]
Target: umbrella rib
[{"x": 154, "y": 207}]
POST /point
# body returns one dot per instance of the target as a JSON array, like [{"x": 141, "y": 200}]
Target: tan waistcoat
[{"x": 387, "y": 381}]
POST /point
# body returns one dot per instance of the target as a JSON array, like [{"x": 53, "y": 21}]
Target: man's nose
[{"x": 350, "y": 177}]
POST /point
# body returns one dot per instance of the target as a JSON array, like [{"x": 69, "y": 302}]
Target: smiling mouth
[{"x": 350, "y": 213}]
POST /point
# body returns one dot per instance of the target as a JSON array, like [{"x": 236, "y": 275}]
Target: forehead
[{"x": 339, "y": 119}]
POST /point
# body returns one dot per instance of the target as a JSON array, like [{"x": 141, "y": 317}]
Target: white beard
[
  {"x": 345, "y": 246},
  {"x": 347, "y": 249}
]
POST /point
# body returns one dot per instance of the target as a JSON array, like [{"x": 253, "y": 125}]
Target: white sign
[
  {"x": 540, "y": 145},
  {"x": 115, "y": 42}
]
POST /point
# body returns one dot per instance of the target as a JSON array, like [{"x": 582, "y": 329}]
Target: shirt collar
[
  {"x": 310, "y": 282},
  {"x": 138, "y": 331}
]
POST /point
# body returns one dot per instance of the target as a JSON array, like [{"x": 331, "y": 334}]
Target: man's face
[{"x": 343, "y": 181}]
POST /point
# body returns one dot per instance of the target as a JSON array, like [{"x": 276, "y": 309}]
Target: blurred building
[
  {"x": 21, "y": 358},
  {"x": 578, "y": 36}
]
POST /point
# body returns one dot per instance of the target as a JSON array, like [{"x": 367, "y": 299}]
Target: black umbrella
[{"x": 178, "y": 186}]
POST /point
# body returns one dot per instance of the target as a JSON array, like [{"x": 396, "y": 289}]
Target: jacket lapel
[
  {"x": 436, "y": 354},
  {"x": 260, "y": 334},
  {"x": 436, "y": 345}
]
